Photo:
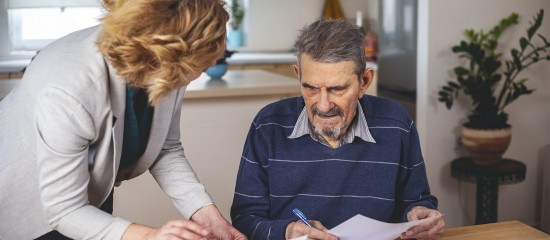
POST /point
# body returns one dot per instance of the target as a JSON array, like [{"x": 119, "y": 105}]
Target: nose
[{"x": 324, "y": 104}]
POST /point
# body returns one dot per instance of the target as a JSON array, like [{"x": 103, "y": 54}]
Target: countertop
[
  {"x": 235, "y": 83},
  {"x": 11, "y": 66},
  {"x": 238, "y": 83},
  {"x": 262, "y": 58}
]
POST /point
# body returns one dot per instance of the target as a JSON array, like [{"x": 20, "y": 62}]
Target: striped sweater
[{"x": 381, "y": 180}]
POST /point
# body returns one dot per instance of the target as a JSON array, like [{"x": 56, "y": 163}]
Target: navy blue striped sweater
[{"x": 381, "y": 180}]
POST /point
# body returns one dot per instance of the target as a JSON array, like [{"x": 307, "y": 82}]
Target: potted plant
[
  {"x": 235, "y": 35},
  {"x": 492, "y": 83}
]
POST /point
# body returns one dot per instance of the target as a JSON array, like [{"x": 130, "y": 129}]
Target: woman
[{"x": 100, "y": 106}]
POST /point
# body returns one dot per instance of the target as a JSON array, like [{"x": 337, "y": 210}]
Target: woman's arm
[{"x": 175, "y": 176}]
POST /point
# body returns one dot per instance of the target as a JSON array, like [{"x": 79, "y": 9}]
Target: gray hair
[{"x": 329, "y": 40}]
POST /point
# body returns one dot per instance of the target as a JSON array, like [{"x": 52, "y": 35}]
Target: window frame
[{"x": 12, "y": 44}]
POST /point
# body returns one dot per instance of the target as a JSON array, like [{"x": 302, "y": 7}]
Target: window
[
  {"x": 33, "y": 28},
  {"x": 29, "y": 25}
]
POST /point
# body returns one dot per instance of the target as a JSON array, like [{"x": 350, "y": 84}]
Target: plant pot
[
  {"x": 217, "y": 71},
  {"x": 235, "y": 38},
  {"x": 486, "y": 146}
]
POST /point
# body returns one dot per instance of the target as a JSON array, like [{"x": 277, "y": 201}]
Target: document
[{"x": 360, "y": 227}]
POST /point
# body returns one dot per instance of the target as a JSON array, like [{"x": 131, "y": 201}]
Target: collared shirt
[{"x": 359, "y": 128}]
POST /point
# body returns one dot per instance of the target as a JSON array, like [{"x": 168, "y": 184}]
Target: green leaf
[
  {"x": 536, "y": 24},
  {"x": 462, "y": 47},
  {"x": 523, "y": 42},
  {"x": 515, "y": 56},
  {"x": 447, "y": 88},
  {"x": 449, "y": 103},
  {"x": 469, "y": 33},
  {"x": 504, "y": 24},
  {"x": 497, "y": 31},
  {"x": 509, "y": 66},
  {"x": 515, "y": 53},
  {"x": 460, "y": 71},
  {"x": 454, "y": 85}
]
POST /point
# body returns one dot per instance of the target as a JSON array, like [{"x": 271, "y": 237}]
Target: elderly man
[{"x": 334, "y": 152}]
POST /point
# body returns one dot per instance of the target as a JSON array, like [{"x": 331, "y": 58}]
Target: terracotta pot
[{"x": 486, "y": 146}]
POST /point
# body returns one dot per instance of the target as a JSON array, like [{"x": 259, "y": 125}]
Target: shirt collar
[{"x": 359, "y": 128}]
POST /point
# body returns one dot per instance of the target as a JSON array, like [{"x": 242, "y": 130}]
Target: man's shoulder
[{"x": 382, "y": 111}]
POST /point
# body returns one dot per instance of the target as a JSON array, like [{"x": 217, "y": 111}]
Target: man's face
[{"x": 331, "y": 91}]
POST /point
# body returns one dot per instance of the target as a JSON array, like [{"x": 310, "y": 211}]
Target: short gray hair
[{"x": 329, "y": 40}]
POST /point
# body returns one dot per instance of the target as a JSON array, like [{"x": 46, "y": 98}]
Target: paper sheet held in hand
[{"x": 360, "y": 227}]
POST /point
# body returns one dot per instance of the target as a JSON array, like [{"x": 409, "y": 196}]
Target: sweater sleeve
[
  {"x": 414, "y": 189},
  {"x": 250, "y": 212}
]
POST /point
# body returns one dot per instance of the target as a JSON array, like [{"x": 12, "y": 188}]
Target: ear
[
  {"x": 366, "y": 80},
  {"x": 296, "y": 71}
]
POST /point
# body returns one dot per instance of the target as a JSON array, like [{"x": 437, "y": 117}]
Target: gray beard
[{"x": 333, "y": 133}]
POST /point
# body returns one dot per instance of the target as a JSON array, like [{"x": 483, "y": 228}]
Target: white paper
[
  {"x": 300, "y": 238},
  {"x": 360, "y": 227}
]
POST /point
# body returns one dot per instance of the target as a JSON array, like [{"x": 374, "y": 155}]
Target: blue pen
[{"x": 301, "y": 216}]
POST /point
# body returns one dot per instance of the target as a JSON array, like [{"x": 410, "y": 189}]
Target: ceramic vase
[
  {"x": 235, "y": 38},
  {"x": 217, "y": 71},
  {"x": 486, "y": 146}
]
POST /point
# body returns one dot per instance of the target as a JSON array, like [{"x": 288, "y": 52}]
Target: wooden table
[{"x": 511, "y": 230}]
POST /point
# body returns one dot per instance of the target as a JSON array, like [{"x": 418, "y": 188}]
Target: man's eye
[
  {"x": 308, "y": 87},
  {"x": 337, "y": 90},
  {"x": 312, "y": 89}
]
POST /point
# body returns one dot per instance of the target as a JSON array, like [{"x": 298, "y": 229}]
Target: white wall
[{"x": 441, "y": 23}]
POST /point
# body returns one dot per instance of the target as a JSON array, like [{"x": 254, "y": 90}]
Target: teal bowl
[{"x": 217, "y": 71}]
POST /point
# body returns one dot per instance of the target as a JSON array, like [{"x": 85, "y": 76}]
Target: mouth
[
  {"x": 327, "y": 116},
  {"x": 327, "y": 120}
]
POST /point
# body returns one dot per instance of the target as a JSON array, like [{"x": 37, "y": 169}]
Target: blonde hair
[{"x": 154, "y": 44}]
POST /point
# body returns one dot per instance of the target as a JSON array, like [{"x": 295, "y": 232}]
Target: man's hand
[
  {"x": 318, "y": 231},
  {"x": 427, "y": 230},
  {"x": 210, "y": 217}
]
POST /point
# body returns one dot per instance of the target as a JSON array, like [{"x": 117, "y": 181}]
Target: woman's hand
[
  {"x": 173, "y": 230},
  {"x": 179, "y": 229},
  {"x": 318, "y": 231},
  {"x": 219, "y": 228}
]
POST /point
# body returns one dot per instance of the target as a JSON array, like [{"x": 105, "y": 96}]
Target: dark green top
[{"x": 138, "y": 117}]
